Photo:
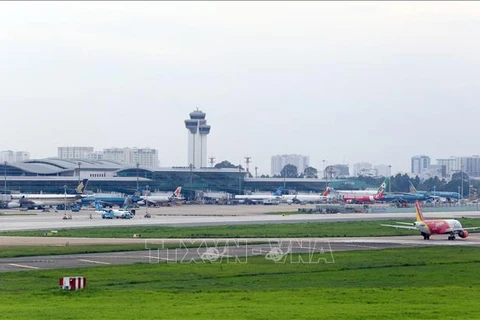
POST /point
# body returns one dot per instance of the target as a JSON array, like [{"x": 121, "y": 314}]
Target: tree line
[{"x": 398, "y": 183}]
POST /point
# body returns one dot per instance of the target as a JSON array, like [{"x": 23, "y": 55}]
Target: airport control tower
[{"x": 197, "y": 139}]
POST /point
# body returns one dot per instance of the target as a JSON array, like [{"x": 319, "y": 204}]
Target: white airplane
[
  {"x": 260, "y": 198},
  {"x": 306, "y": 198},
  {"x": 159, "y": 199},
  {"x": 112, "y": 213},
  {"x": 46, "y": 200}
]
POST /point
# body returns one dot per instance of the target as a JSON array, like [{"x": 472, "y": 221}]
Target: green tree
[
  {"x": 456, "y": 184},
  {"x": 431, "y": 184},
  {"x": 311, "y": 172},
  {"x": 400, "y": 183},
  {"x": 227, "y": 164},
  {"x": 289, "y": 171}
]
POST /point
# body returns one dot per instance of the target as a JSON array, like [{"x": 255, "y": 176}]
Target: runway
[
  {"x": 320, "y": 250},
  {"x": 203, "y": 250},
  {"x": 198, "y": 215}
]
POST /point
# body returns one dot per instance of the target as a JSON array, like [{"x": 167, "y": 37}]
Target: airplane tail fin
[
  {"x": 81, "y": 187},
  {"x": 176, "y": 193},
  {"x": 138, "y": 192},
  {"x": 279, "y": 191},
  {"x": 382, "y": 188},
  {"x": 419, "y": 211},
  {"x": 326, "y": 192},
  {"x": 98, "y": 206},
  {"x": 412, "y": 187}
]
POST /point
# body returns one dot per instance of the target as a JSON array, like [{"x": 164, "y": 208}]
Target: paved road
[{"x": 214, "y": 250}]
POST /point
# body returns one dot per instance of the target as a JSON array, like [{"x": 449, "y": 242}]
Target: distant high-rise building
[
  {"x": 280, "y": 161},
  {"x": 197, "y": 139},
  {"x": 14, "y": 156},
  {"x": 74, "y": 152},
  {"x": 342, "y": 170},
  {"x": 383, "y": 170},
  {"x": 469, "y": 165},
  {"x": 420, "y": 163},
  {"x": 361, "y": 168},
  {"x": 143, "y": 156},
  {"x": 450, "y": 165}
]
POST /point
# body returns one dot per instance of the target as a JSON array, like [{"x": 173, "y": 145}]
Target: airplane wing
[
  {"x": 471, "y": 228},
  {"x": 404, "y": 223},
  {"x": 399, "y": 226}
]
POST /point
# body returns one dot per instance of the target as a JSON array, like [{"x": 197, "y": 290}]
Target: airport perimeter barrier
[
  {"x": 384, "y": 208},
  {"x": 426, "y": 208}
]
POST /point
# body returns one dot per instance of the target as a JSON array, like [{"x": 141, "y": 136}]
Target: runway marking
[
  {"x": 159, "y": 258},
  {"x": 23, "y": 266},
  {"x": 361, "y": 246},
  {"x": 92, "y": 261}
]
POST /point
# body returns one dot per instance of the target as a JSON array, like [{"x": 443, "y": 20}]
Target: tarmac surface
[
  {"x": 203, "y": 250},
  {"x": 197, "y": 215},
  {"x": 320, "y": 250}
]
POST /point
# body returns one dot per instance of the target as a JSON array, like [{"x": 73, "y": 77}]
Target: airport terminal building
[{"x": 54, "y": 175}]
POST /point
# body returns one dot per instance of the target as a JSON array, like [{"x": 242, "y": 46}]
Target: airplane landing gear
[
  {"x": 451, "y": 237},
  {"x": 426, "y": 236}
]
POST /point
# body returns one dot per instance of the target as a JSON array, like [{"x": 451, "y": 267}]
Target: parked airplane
[
  {"x": 366, "y": 198},
  {"x": 260, "y": 198},
  {"x": 448, "y": 195},
  {"x": 160, "y": 199},
  {"x": 112, "y": 199},
  {"x": 105, "y": 199},
  {"x": 368, "y": 192},
  {"x": 113, "y": 213},
  {"x": 401, "y": 197},
  {"x": 47, "y": 200},
  {"x": 306, "y": 198},
  {"x": 451, "y": 227}
]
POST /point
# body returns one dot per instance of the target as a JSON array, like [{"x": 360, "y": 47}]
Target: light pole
[
  {"x": 324, "y": 174},
  {"x": 5, "y": 180},
  {"x": 147, "y": 188},
  {"x": 389, "y": 178},
  {"x": 79, "y": 164},
  {"x": 138, "y": 164},
  {"x": 191, "y": 173},
  {"x": 65, "y": 200},
  {"x": 462, "y": 181},
  {"x": 239, "y": 179}
]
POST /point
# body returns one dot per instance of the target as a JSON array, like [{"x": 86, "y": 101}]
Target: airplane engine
[
  {"x": 13, "y": 204},
  {"x": 463, "y": 234}
]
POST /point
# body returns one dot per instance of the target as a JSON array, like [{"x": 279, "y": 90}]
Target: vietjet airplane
[
  {"x": 367, "y": 198},
  {"x": 451, "y": 227}
]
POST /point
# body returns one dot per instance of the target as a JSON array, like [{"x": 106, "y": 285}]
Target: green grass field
[
  {"x": 310, "y": 229},
  {"x": 413, "y": 283}
]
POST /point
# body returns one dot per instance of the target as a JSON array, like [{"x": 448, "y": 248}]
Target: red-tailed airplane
[
  {"x": 451, "y": 227},
  {"x": 366, "y": 198}
]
